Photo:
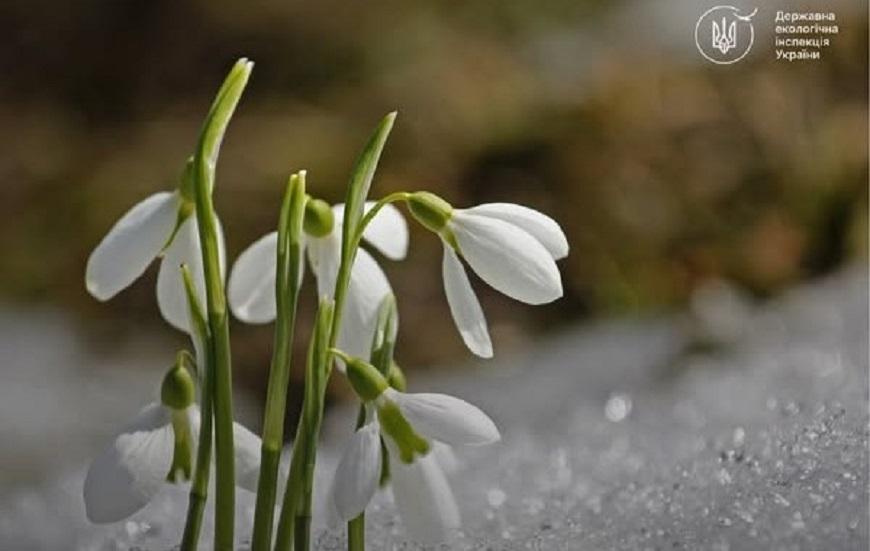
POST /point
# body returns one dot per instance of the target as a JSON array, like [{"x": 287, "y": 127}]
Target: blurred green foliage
[{"x": 664, "y": 171}]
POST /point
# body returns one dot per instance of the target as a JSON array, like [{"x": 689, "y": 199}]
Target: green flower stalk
[
  {"x": 287, "y": 283},
  {"x": 295, "y": 521},
  {"x": 383, "y": 345},
  {"x": 199, "y": 484},
  {"x": 204, "y": 162}
]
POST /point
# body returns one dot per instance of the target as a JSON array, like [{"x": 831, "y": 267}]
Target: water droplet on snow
[{"x": 618, "y": 407}]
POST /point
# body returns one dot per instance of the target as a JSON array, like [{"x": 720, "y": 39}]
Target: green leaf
[
  {"x": 222, "y": 110},
  {"x": 361, "y": 181},
  {"x": 204, "y": 161}
]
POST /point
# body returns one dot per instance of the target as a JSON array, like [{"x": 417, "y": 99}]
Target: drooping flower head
[
  {"x": 511, "y": 247},
  {"x": 162, "y": 225},
  {"x": 156, "y": 448},
  {"x": 410, "y": 425},
  {"x": 252, "y": 280}
]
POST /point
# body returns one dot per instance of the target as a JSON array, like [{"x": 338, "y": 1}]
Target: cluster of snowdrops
[{"x": 401, "y": 438}]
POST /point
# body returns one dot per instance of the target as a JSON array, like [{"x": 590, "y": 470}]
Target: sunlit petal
[
  {"x": 185, "y": 249},
  {"x": 247, "y": 452},
  {"x": 252, "y": 282},
  {"x": 356, "y": 478},
  {"x": 388, "y": 231},
  {"x": 507, "y": 258},
  {"x": 537, "y": 224},
  {"x": 424, "y": 500},
  {"x": 445, "y": 456},
  {"x": 445, "y": 418},
  {"x": 131, "y": 245},
  {"x": 368, "y": 287},
  {"x": 324, "y": 254},
  {"x": 464, "y": 306},
  {"x": 130, "y": 471}
]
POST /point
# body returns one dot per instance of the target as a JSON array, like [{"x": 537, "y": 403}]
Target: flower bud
[
  {"x": 365, "y": 379},
  {"x": 178, "y": 389},
  {"x": 430, "y": 210},
  {"x": 401, "y": 432},
  {"x": 319, "y": 219}
]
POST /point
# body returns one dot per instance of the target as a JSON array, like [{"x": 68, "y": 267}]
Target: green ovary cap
[
  {"x": 366, "y": 380},
  {"x": 178, "y": 389},
  {"x": 319, "y": 219},
  {"x": 400, "y": 431},
  {"x": 396, "y": 377},
  {"x": 430, "y": 210}
]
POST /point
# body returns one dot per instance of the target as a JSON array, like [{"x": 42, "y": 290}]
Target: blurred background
[{"x": 666, "y": 172}]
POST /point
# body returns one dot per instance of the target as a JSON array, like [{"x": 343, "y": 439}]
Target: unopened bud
[
  {"x": 178, "y": 390},
  {"x": 319, "y": 219}
]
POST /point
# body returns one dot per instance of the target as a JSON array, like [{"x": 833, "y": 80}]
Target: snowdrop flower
[
  {"x": 252, "y": 281},
  {"x": 157, "y": 447},
  {"x": 410, "y": 425},
  {"x": 511, "y": 247},
  {"x": 162, "y": 225}
]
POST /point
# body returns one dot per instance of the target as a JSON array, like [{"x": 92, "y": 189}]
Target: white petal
[
  {"x": 252, "y": 281},
  {"x": 247, "y": 450},
  {"x": 185, "y": 249},
  {"x": 128, "y": 473},
  {"x": 358, "y": 473},
  {"x": 324, "y": 254},
  {"x": 445, "y": 456},
  {"x": 424, "y": 500},
  {"x": 368, "y": 287},
  {"x": 445, "y": 418},
  {"x": 171, "y": 297},
  {"x": 537, "y": 224},
  {"x": 466, "y": 310},
  {"x": 131, "y": 245},
  {"x": 507, "y": 258},
  {"x": 388, "y": 231}
]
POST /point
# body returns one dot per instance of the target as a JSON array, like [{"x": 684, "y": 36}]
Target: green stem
[
  {"x": 299, "y": 529},
  {"x": 289, "y": 259},
  {"x": 356, "y": 527},
  {"x": 199, "y": 484},
  {"x": 356, "y": 533},
  {"x": 204, "y": 163},
  {"x": 376, "y": 208},
  {"x": 295, "y": 522}
]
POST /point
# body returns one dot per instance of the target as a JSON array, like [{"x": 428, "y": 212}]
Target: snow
[{"x": 731, "y": 427}]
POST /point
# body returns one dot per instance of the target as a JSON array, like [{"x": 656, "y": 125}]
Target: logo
[{"x": 723, "y": 35}]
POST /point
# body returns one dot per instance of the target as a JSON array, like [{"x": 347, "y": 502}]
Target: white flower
[
  {"x": 140, "y": 236},
  {"x": 129, "y": 472},
  {"x": 513, "y": 249},
  {"x": 252, "y": 281},
  {"x": 421, "y": 491}
]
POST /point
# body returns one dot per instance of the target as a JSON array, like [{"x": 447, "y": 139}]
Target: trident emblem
[{"x": 724, "y": 37}]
